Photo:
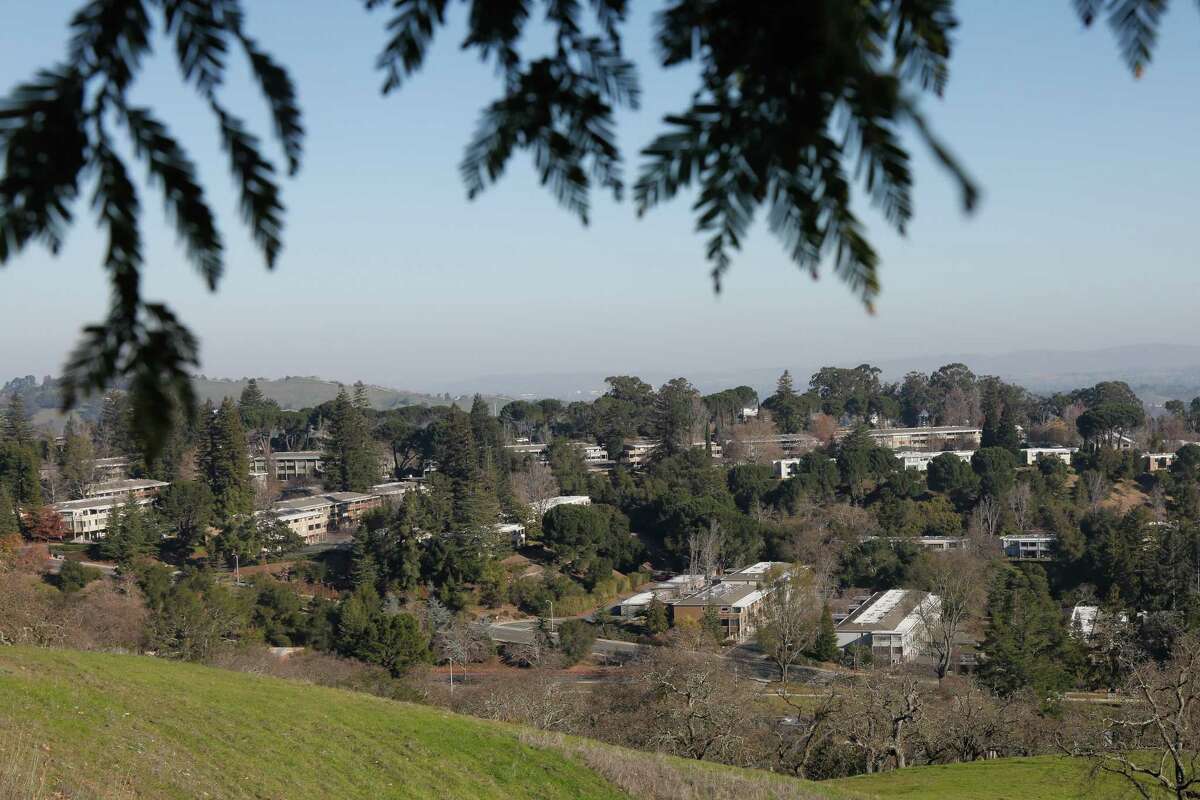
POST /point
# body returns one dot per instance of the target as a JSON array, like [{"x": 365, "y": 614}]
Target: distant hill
[
  {"x": 92, "y": 725},
  {"x": 296, "y": 392}
]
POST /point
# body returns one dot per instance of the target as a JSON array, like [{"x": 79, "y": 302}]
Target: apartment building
[
  {"x": 288, "y": 465},
  {"x": 738, "y": 607},
  {"x": 1063, "y": 454},
  {"x": 890, "y": 623},
  {"x": 925, "y": 438},
  {"x": 919, "y": 460},
  {"x": 88, "y": 519},
  {"x": 1029, "y": 546},
  {"x": 137, "y": 488}
]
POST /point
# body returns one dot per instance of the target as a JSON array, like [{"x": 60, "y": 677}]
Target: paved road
[{"x": 54, "y": 566}]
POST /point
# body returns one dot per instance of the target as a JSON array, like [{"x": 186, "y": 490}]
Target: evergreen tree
[
  {"x": 257, "y": 412},
  {"x": 350, "y": 462},
  {"x": 16, "y": 427},
  {"x": 188, "y": 508},
  {"x": 9, "y": 522},
  {"x": 825, "y": 646},
  {"x": 710, "y": 623},
  {"x": 113, "y": 436},
  {"x": 20, "y": 473},
  {"x": 360, "y": 398},
  {"x": 657, "y": 620},
  {"x": 224, "y": 462},
  {"x": 132, "y": 534},
  {"x": 1026, "y": 646},
  {"x": 77, "y": 461}
]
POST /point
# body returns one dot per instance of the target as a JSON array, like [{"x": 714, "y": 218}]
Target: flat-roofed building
[
  {"x": 1029, "y": 546},
  {"x": 126, "y": 487},
  {"x": 88, "y": 519},
  {"x": 350, "y": 507},
  {"x": 890, "y": 624},
  {"x": 919, "y": 459},
  {"x": 592, "y": 453},
  {"x": 544, "y": 506},
  {"x": 760, "y": 574},
  {"x": 288, "y": 465},
  {"x": 311, "y": 525},
  {"x": 925, "y": 438},
  {"x": 110, "y": 469},
  {"x": 394, "y": 491},
  {"x": 514, "y": 531},
  {"x": 1063, "y": 454},
  {"x": 738, "y": 607}
]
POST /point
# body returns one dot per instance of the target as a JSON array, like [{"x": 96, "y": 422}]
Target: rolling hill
[{"x": 90, "y": 725}]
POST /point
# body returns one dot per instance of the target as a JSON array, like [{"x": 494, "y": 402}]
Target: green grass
[
  {"x": 1040, "y": 778},
  {"x": 117, "y": 726},
  {"x": 171, "y": 730}
]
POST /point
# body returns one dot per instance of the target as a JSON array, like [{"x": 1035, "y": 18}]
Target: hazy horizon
[{"x": 390, "y": 275}]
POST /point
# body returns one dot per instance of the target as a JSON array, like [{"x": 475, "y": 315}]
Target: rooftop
[
  {"x": 304, "y": 503},
  {"x": 125, "y": 485},
  {"x": 95, "y": 502},
  {"x": 736, "y": 595},
  {"x": 885, "y": 611},
  {"x": 296, "y": 455},
  {"x": 933, "y": 429},
  {"x": 348, "y": 497}
]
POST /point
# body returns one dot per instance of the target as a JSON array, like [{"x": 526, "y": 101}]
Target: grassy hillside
[
  {"x": 1041, "y": 778},
  {"x": 89, "y": 725}
]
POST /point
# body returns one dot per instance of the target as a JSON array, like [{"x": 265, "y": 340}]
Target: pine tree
[
  {"x": 132, "y": 534},
  {"x": 784, "y": 388},
  {"x": 20, "y": 473},
  {"x": 657, "y": 620},
  {"x": 361, "y": 402},
  {"x": 16, "y": 426},
  {"x": 350, "y": 462},
  {"x": 224, "y": 462}
]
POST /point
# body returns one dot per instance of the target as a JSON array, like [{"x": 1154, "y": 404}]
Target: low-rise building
[
  {"x": 515, "y": 532},
  {"x": 311, "y": 524},
  {"x": 759, "y": 574},
  {"x": 288, "y": 465},
  {"x": 126, "y": 487},
  {"x": 1156, "y": 461},
  {"x": 786, "y": 467},
  {"x": 925, "y": 438},
  {"x": 890, "y": 623},
  {"x": 350, "y": 507},
  {"x": 919, "y": 459},
  {"x": 1029, "y": 546},
  {"x": 1063, "y": 454},
  {"x": 88, "y": 519},
  {"x": 110, "y": 469},
  {"x": 738, "y": 607},
  {"x": 394, "y": 491}
]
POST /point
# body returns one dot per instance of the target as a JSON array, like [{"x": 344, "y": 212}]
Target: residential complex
[
  {"x": 88, "y": 519},
  {"x": 890, "y": 623},
  {"x": 288, "y": 465}
]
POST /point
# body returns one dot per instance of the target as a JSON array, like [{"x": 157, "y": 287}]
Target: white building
[
  {"x": 760, "y": 573},
  {"x": 890, "y": 623},
  {"x": 785, "y": 467},
  {"x": 923, "y": 438},
  {"x": 1029, "y": 546},
  {"x": 288, "y": 465},
  {"x": 919, "y": 459},
  {"x": 88, "y": 519},
  {"x": 563, "y": 500},
  {"x": 515, "y": 531},
  {"x": 1063, "y": 454},
  {"x": 126, "y": 487}
]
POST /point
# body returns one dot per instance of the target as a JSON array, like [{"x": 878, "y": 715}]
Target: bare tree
[
  {"x": 752, "y": 441},
  {"x": 986, "y": 516},
  {"x": 1020, "y": 503},
  {"x": 1153, "y": 741},
  {"x": 534, "y": 486},
  {"x": 809, "y": 724},
  {"x": 704, "y": 552},
  {"x": 881, "y": 714},
  {"x": 1097, "y": 487},
  {"x": 691, "y": 702},
  {"x": 969, "y": 723},
  {"x": 955, "y": 583},
  {"x": 790, "y": 620}
]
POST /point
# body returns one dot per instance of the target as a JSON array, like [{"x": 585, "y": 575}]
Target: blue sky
[{"x": 1083, "y": 240}]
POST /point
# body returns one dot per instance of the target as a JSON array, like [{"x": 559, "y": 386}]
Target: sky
[{"x": 1084, "y": 238}]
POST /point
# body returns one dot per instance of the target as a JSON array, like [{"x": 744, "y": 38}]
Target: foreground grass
[
  {"x": 166, "y": 730},
  {"x": 90, "y": 725},
  {"x": 1040, "y": 778}
]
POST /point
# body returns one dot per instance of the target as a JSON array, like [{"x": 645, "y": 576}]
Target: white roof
[{"x": 640, "y": 599}]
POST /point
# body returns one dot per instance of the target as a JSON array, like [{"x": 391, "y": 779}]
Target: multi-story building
[
  {"x": 925, "y": 438},
  {"x": 137, "y": 488},
  {"x": 760, "y": 574},
  {"x": 1063, "y": 454},
  {"x": 1029, "y": 546},
  {"x": 1156, "y": 461},
  {"x": 891, "y": 624},
  {"x": 314, "y": 517},
  {"x": 110, "y": 469},
  {"x": 288, "y": 465},
  {"x": 88, "y": 519},
  {"x": 919, "y": 460},
  {"x": 738, "y": 607},
  {"x": 310, "y": 524},
  {"x": 394, "y": 491}
]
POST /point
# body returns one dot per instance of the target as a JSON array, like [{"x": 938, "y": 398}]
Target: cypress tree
[
  {"x": 77, "y": 460},
  {"x": 1026, "y": 645},
  {"x": 825, "y": 646},
  {"x": 16, "y": 422}
]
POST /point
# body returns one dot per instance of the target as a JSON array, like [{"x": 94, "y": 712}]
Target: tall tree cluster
[{"x": 223, "y": 461}]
